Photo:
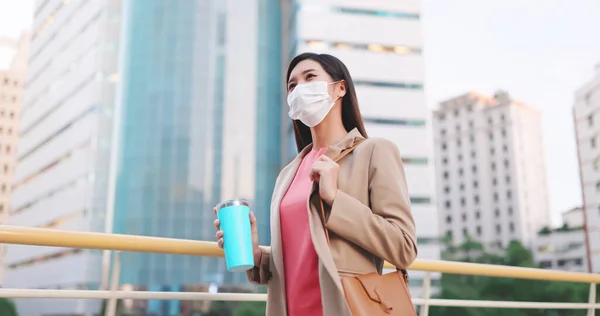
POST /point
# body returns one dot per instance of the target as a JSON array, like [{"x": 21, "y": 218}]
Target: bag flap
[{"x": 376, "y": 285}]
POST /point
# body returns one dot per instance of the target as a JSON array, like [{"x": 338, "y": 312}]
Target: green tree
[
  {"x": 7, "y": 307},
  {"x": 250, "y": 309},
  {"x": 503, "y": 289}
]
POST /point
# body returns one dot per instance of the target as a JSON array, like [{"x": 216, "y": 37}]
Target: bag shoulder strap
[{"x": 339, "y": 157}]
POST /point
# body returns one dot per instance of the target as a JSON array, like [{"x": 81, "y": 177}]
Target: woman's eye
[
  {"x": 291, "y": 87},
  {"x": 309, "y": 76}
]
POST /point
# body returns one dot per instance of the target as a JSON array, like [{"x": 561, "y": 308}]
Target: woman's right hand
[{"x": 255, "y": 248}]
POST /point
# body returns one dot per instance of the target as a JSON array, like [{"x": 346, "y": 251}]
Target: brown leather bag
[{"x": 374, "y": 294}]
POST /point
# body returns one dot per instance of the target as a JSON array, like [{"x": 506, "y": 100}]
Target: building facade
[
  {"x": 381, "y": 44},
  {"x": 12, "y": 82},
  {"x": 563, "y": 248},
  {"x": 586, "y": 114},
  {"x": 490, "y": 168},
  {"x": 139, "y": 117}
]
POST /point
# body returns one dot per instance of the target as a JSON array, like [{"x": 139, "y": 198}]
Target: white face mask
[{"x": 310, "y": 102}]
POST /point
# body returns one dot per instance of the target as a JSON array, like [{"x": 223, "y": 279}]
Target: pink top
[{"x": 300, "y": 261}]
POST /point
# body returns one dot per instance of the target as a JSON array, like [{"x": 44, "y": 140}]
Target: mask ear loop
[{"x": 339, "y": 97}]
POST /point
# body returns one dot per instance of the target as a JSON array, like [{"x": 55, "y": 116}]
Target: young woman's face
[{"x": 308, "y": 71}]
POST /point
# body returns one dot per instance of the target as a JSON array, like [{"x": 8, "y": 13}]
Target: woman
[{"x": 365, "y": 196}]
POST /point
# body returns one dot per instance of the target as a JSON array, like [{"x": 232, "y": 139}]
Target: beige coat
[{"x": 369, "y": 221}]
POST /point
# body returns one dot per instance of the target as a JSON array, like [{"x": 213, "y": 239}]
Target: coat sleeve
[
  {"x": 261, "y": 273},
  {"x": 387, "y": 228}
]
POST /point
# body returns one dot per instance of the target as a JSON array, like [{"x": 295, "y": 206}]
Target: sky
[{"x": 540, "y": 51}]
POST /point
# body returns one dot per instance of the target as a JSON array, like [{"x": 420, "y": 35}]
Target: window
[
  {"x": 491, "y": 136},
  {"x": 497, "y": 213},
  {"x": 465, "y": 232},
  {"x": 505, "y": 148},
  {"x": 445, "y": 174},
  {"x": 458, "y": 128},
  {"x": 455, "y": 112},
  {"x": 444, "y": 146},
  {"x": 462, "y": 201},
  {"x": 506, "y": 163},
  {"x": 492, "y": 151},
  {"x": 493, "y": 166},
  {"x": 464, "y": 217},
  {"x": 475, "y": 184},
  {"x": 494, "y": 182},
  {"x": 508, "y": 194},
  {"x": 477, "y": 215},
  {"x": 447, "y": 189},
  {"x": 546, "y": 264},
  {"x": 448, "y": 219},
  {"x": 448, "y": 204},
  {"x": 472, "y": 154},
  {"x": 445, "y": 161},
  {"x": 470, "y": 123},
  {"x": 474, "y": 168},
  {"x": 5, "y": 168},
  {"x": 490, "y": 120},
  {"x": 12, "y": 114},
  {"x": 503, "y": 132},
  {"x": 460, "y": 171},
  {"x": 443, "y": 131},
  {"x": 512, "y": 227},
  {"x": 462, "y": 186},
  {"x": 591, "y": 120},
  {"x": 502, "y": 117},
  {"x": 498, "y": 228},
  {"x": 598, "y": 186},
  {"x": 3, "y": 189},
  {"x": 8, "y": 149},
  {"x": 458, "y": 143},
  {"x": 507, "y": 178},
  {"x": 1, "y": 208},
  {"x": 510, "y": 211},
  {"x": 496, "y": 197},
  {"x": 471, "y": 139},
  {"x": 476, "y": 198},
  {"x": 593, "y": 142},
  {"x": 460, "y": 157},
  {"x": 478, "y": 230}
]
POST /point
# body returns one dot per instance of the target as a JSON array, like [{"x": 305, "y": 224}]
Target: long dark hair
[{"x": 351, "y": 117}]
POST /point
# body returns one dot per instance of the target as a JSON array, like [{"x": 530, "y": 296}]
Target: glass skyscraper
[{"x": 196, "y": 86}]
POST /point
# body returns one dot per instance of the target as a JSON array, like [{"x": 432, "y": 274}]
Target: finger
[
  {"x": 220, "y": 243},
  {"x": 215, "y": 210},
  {"x": 325, "y": 158},
  {"x": 217, "y": 223},
  {"x": 219, "y": 234}
]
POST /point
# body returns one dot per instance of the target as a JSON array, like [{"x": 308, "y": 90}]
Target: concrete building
[
  {"x": 139, "y": 117},
  {"x": 387, "y": 68},
  {"x": 12, "y": 82},
  {"x": 562, "y": 248},
  {"x": 586, "y": 114},
  {"x": 490, "y": 168}
]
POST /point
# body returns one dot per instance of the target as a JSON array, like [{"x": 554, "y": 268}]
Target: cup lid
[{"x": 232, "y": 202}]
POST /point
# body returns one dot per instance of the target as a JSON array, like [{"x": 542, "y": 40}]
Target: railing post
[
  {"x": 426, "y": 294},
  {"x": 111, "y": 307},
  {"x": 592, "y": 299}
]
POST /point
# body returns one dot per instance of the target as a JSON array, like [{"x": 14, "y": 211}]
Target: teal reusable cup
[{"x": 234, "y": 216}]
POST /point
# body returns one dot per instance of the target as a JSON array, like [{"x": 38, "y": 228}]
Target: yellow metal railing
[{"x": 116, "y": 242}]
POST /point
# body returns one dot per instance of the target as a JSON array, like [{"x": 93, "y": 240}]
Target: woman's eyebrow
[{"x": 305, "y": 71}]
